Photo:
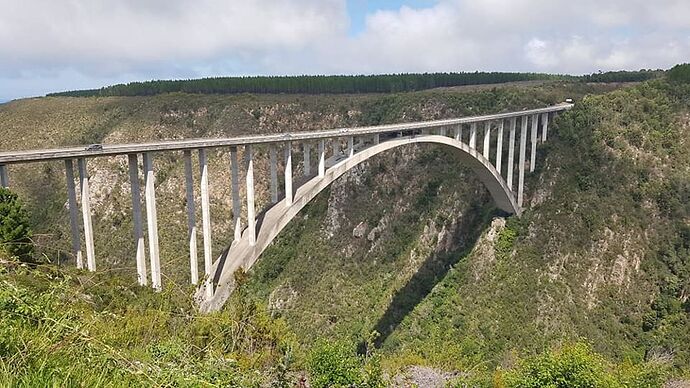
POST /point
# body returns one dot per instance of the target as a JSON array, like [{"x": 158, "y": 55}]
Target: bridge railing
[{"x": 465, "y": 130}]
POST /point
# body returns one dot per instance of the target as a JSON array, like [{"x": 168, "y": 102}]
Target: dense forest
[{"x": 341, "y": 84}]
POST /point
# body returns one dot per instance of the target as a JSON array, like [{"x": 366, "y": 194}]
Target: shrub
[
  {"x": 680, "y": 73},
  {"x": 577, "y": 365},
  {"x": 15, "y": 233},
  {"x": 336, "y": 364}
]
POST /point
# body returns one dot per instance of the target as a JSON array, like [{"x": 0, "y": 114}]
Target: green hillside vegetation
[
  {"x": 308, "y": 84},
  {"x": 343, "y": 84},
  {"x": 591, "y": 285}
]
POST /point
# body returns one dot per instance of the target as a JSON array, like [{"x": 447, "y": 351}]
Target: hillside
[{"x": 414, "y": 249}]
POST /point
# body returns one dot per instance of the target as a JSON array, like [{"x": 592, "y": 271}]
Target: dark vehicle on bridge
[{"x": 94, "y": 147}]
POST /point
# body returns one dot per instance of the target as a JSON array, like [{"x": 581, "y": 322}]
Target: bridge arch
[{"x": 241, "y": 254}]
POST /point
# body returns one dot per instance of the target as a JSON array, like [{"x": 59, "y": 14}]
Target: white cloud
[{"x": 102, "y": 40}]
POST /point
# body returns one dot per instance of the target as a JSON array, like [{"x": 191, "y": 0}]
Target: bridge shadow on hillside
[{"x": 433, "y": 270}]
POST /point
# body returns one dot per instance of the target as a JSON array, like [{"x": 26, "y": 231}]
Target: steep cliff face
[{"x": 409, "y": 244}]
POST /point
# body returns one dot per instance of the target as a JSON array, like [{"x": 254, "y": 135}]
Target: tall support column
[
  {"x": 511, "y": 153},
  {"x": 499, "y": 146},
  {"x": 73, "y": 215},
  {"x": 273, "y": 156},
  {"x": 533, "y": 147},
  {"x": 86, "y": 214},
  {"x": 191, "y": 218},
  {"x": 473, "y": 135},
  {"x": 544, "y": 126},
  {"x": 4, "y": 179},
  {"x": 288, "y": 173},
  {"x": 487, "y": 138},
  {"x": 442, "y": 131},
  {"x": 307, "y": 159},
  {"x": 235, "y": 181},
  {"x": 377, "y": 138},
  {"x": 458, "y": 132},
  {"x": 322, "y": 158},
  {"x": 136, "y": 216},
  {"x": 152, "y": 222},
  {"x": 251, "y": 215},
  {"x": 521, "y": 160},
  {"x": 206, "y": 220},
  {"x": 350, "y": 146}
]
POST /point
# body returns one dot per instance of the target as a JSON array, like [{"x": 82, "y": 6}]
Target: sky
[{"x": 55, "y": 45}]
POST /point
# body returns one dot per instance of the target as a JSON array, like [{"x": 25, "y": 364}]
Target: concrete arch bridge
[{"x": 497, "y": 167}]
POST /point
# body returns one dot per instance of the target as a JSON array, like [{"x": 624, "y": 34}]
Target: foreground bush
[
  {"x": 336, "y": 364},
  {"x": 577, "y": 366},
  {"x": 15, "y": 233}
]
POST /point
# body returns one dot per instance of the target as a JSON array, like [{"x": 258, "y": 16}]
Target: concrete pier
[
  {"x": 322, "y": 158},
  {"x": 249, "y": 173},
  {"x": 487, "y": 139},
  {"x": 133, "y": 162},
  {"x": 73, "y": 214},
  {"x": 191, "y": 218},
  {"x": 458, "y": 132},
  {"x": 499, "y": 146},
  {"x": 206, "y": 216},
  {"x": 86, "y": 214},
  {"x": 544, "y": 126},
  {"x": 533, "y": 146},
  {"x": 350, "y": 146},
  {"x": 4, "y": 179},
  {"x": 236, "y": 204},
  {"x": 510, "y": 169},
  {"x": 273, "y": 161},
  {"x": 442, "y": 131},
  {"x": 473, "y": 136},
  {"x": 521, "y": 160},
  {"x": 288, "y": 173},
  {"x": 152, "y": 221},
  {"x": 307, "y": 159},
  {"x": 377, "y": 138}
]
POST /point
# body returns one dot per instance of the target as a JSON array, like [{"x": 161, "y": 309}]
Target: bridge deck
[{"x": 13, "y": 157}]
